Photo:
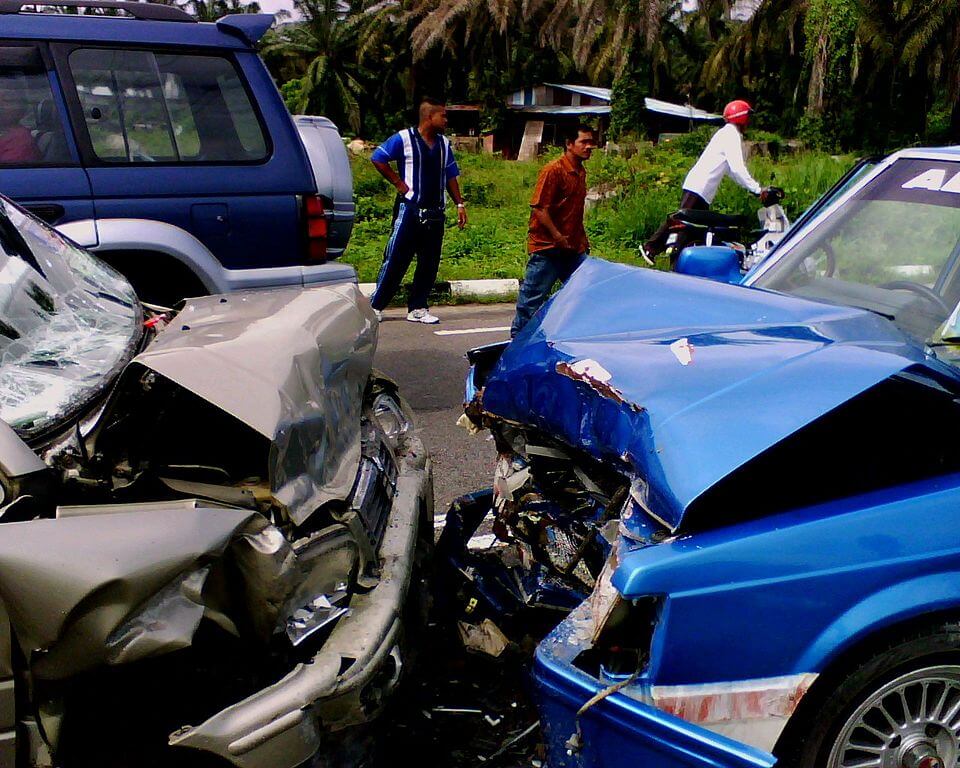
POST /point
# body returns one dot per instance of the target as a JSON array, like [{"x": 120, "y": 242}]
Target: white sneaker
[
  {"x": 379, "y": 315},
  {"x": 422, "y": 316}
]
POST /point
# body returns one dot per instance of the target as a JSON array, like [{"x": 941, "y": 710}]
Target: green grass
[{"x": 497, "y": 191}]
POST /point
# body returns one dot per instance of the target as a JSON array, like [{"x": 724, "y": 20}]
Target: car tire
[{"x": 914, "y": 679}]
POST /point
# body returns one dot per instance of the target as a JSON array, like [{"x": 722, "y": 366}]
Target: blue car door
[
  {"x": 175, "y": 135},
  {"x": 39, "y": 162}
]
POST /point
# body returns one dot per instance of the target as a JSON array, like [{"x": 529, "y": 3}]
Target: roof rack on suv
[{"x": 150, "y": 11}]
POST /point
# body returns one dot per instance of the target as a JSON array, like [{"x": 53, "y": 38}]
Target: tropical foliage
[{"x": 838, "y": 73}]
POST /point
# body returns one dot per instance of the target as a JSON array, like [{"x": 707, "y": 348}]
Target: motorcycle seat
[{"x": 709, "y": 219}]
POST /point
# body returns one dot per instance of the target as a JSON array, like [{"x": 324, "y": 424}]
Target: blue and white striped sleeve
[
  {"x": 391, "y": 149},
  {"x": 452, "y": 170}
]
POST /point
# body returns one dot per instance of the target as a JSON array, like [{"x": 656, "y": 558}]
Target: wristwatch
[{"x": 461, "y": 205}]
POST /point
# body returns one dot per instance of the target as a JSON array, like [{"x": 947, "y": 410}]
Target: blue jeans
[{"x": 543, "y": 270}]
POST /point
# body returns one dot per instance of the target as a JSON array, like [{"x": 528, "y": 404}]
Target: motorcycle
[{"x": 689, "y": 227}]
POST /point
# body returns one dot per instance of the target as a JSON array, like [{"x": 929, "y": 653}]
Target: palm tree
[
  {"x": 322, "y": 50},
  {"x": 901, "y": 41},
  {"x": 211, "y": 10},
  {"x": 600, "y": 34}
]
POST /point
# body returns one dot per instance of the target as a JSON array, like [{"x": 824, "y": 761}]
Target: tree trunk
[{"x": 817, "y": 89}]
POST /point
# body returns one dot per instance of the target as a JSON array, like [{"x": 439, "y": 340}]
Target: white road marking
[
  {"x": 497, "y": 329},
  {"x": 485, "y": 541}
]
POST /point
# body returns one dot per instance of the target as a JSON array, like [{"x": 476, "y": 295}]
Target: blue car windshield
[
  {"x": 68, "y": 324},
  {"x": 891, "y": 248}
]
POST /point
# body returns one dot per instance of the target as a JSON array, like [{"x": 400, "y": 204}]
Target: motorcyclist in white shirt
[{"x": 723, "y": 156}]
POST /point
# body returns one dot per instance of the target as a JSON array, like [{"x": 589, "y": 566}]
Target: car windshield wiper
[{"x": 887, "y": 315}]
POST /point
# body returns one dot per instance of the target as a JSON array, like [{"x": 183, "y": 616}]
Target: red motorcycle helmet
[{"x": 737, "y": 112}]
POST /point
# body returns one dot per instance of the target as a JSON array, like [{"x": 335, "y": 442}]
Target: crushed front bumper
[
  {"x": 619, "y": 730},
  {"x": 286, "y": 723}
]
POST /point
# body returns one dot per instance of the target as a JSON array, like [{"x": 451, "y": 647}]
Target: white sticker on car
[{"x": 933, "y": 180}]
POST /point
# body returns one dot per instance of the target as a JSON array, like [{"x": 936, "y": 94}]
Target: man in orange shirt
[{"x": 557, "y": 242}]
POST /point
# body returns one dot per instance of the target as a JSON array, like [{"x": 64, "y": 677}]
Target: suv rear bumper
[{"x": 274, "y": 277}]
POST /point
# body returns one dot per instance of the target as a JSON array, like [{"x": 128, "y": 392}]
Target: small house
[{"x": 538, "y": 114}]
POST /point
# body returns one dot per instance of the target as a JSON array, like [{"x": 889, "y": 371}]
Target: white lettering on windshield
[{"x": 933, "y": 180}]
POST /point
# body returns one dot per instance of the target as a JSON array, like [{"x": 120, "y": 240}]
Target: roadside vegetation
[
  {"x": 640, "y": 190},
  {"x": 841, "y": 75}
]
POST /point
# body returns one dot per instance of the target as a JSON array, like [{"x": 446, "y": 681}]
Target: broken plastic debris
[
  {"x": 485, "y": 637},
  {"x": 596, "y": 377},
  {"x": 510, "y": 742},
  {"x": 682, "y": 350},
  {"x": 315, "y": 615},
  {"x": 467, "y": 423}
]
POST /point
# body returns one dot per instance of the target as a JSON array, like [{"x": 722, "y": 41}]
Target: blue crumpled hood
[{"x": 683, "y": 379}]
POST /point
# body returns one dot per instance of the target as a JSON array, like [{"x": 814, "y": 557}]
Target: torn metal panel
[
  {"x": 596, "y": 377},
  {"x": 344, "y": 684},
  {"x": 758, "y": 373},
  {"x": 290, "y": 363},
  {"x": 166, "y": 623},
  {"x": 70, "y": 584}
]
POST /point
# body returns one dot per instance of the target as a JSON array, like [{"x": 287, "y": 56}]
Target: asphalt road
[{"x": 429, "y": 365}]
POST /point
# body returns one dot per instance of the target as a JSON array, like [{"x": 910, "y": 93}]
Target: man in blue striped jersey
[{"x": 427, "y": 172}]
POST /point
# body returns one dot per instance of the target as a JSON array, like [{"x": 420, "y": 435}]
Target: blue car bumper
[{"x": 621, "y": 731}]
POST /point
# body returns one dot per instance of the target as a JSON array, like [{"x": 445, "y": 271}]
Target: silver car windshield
[
  {"x": 68, "y": 324},
  {"x": 891, "y": 248}
]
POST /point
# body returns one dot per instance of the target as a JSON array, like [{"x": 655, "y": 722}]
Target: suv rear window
[
  {"x": 31, "y": 130},
  {"x": 141, "y": 106}
]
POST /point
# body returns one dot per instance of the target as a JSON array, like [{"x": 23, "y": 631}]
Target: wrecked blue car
[{"x": 757, "y": 489}]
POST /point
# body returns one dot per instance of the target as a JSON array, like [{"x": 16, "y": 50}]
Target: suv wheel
[{"x": 899, "y": 709}]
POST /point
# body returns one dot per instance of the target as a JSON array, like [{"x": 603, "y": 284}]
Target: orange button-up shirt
[{"x": 561, "y": 190}]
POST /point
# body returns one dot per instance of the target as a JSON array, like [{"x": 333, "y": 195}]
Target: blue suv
[{"x": 163, "y": 145}]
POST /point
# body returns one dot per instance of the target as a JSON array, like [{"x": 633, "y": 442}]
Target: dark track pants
[
  {"x": 657, "y": 243},
  {"x": 410, "y": 237}
]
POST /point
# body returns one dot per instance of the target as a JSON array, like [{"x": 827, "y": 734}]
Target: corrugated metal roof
[
  {"x": 678, "y": 110},
  {"x": 552, "y": 110},
  {"x": 584, "y": 90}
]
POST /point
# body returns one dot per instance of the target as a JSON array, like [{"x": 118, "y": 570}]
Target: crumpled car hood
[
  {"x": 684, "y": 380},
  {"x": 291, "y": 364}
]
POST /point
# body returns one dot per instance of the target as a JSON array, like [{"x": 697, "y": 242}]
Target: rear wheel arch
[{"x": 157, "y": 277}]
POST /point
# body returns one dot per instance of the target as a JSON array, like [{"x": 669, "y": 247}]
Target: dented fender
[
  {"x": 291, "y": 364},
  {"x": 70, "y": 583}
]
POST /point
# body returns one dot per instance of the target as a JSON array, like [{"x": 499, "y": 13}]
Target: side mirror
[{"x": 714, "y": 262}]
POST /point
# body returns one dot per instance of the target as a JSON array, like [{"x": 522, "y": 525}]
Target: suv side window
[
  {"x": 141, "y": 106},
  {"x": 31, "y": 129}
]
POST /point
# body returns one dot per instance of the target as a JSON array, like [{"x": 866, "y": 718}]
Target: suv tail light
[{"x": 317, "y": 223}]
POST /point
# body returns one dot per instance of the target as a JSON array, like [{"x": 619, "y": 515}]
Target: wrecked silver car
[{"x": 212, "y": 521}]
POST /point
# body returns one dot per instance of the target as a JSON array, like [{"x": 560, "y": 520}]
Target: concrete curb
[{"x": 464, "y": 289}]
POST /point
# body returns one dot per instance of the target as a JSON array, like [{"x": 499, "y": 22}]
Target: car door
[
  {"x": 175, "y": 136},
  {"x": 39, "y": 164}
]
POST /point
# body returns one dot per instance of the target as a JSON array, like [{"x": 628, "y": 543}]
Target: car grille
[{"x": 376, "y": 485}]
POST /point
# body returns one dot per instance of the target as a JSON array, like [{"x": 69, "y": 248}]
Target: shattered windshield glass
[
  {"x": 892, "y": 248},
  {"x": 68, "y": 324}
]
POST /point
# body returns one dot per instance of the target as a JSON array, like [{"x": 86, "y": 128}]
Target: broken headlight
[
  {"x": 391, "y": 417},
  {"x": 623, "y": 638}
]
